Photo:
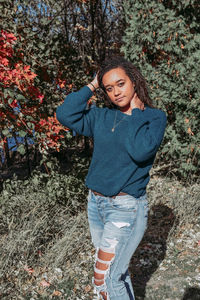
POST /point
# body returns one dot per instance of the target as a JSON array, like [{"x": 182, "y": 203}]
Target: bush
[{"x": 162, "y": 39}]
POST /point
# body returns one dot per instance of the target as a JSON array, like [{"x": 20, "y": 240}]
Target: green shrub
[{"x": 162, "y": 38}]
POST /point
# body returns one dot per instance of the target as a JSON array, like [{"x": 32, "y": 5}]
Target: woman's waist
[{"x": 114, "y": 196}]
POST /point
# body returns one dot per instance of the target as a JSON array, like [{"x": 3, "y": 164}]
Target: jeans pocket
[{"x": 124, "y": 203}]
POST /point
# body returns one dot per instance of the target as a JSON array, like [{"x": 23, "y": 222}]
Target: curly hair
[{"x": 131, "y": 71}]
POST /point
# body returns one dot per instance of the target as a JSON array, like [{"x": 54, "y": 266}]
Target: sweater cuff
[{"x": 87, "y": 91}]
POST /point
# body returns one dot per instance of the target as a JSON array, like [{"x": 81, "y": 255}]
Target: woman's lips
[{"x": 119, "y": 99}]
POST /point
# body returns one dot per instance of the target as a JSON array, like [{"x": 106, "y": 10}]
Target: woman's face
[{"x": 119, "y": 88}]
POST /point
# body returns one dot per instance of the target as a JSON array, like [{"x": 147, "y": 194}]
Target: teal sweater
[{"x": 121, "y": 159}]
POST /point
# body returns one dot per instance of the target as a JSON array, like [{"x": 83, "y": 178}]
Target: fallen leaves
[
  {"x": 29, "y": 270},
  {"x": 57, "y": 293},
  {"x": 44, "y": 283},
  {"x": 87, "y": 288}
]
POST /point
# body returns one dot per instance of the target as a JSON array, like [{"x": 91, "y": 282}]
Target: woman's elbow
[
  {"x": 144, "y": 155},
  {"x": 62, "y": 118},
  {"x": 59, "y": 115}
]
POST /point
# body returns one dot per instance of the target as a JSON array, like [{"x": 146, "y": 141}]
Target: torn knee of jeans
[
  {"x": 100, "y": 287},
  {"x": 104, "y": 295},
  {"x": 104, "y": 258},
  {"x": 98, "y": 282},
  {"x": 98, "y": 274},
  {"x": 101, "y": 265}
]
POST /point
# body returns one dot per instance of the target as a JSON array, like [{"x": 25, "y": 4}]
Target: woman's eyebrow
[{"x": 116, "y": 82}]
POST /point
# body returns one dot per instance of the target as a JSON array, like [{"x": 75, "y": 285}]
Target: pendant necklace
[{"x": 116, "y": 124}]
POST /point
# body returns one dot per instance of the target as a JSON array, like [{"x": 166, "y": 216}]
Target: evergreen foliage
[{"x": 163, "y": 38}]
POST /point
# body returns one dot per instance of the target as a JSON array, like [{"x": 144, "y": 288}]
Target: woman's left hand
[{"x": 136, "y": 102}]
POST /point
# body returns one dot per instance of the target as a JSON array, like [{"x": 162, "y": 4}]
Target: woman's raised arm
[{"x": 73, "y": 113}]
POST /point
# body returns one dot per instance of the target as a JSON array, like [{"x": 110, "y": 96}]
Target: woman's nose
[{"x": 116, "y": 91}]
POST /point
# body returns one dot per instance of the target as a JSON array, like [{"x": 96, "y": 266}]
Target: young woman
[{"x": 127, "y": 135}]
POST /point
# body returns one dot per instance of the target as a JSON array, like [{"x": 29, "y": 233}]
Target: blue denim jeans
[{"x": 117, "y": 226}]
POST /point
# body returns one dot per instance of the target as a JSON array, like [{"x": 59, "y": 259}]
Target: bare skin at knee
[
  {"x": 98, "y": 276},
  {"x": 98, "y": 283},
  {"x": 104, "y": 295},
  {"x": 101, "y": 266},
  {"x": 105, "y": 255}
]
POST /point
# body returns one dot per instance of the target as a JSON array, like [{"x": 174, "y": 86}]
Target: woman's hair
[{"x": 131, "y": 71}]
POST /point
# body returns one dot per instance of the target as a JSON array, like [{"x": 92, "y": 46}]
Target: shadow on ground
[
  {"x": 151, "y": 250},
  {"x": 192, "y": 294}
]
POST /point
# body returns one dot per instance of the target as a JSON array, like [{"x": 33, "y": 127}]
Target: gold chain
[{"x": 116, "y": 124}]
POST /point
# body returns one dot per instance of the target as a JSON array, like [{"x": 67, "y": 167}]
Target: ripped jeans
[{"x": 117, "y": 226}]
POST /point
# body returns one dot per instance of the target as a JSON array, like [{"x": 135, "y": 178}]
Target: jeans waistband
[{"x": 119, "y": 194}]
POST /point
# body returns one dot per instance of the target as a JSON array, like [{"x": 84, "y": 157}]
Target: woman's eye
[
  {"x": 121, "y": 84},
  {"x": 109, "y": 89}
]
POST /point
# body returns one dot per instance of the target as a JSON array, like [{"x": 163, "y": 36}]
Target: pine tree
[{"x": 163, "y": 39}]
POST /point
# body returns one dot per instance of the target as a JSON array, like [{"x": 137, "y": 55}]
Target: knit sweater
[{"x": 122, "y": 158}]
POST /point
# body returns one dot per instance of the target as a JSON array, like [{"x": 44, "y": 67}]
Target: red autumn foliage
[
  {"x": 16, "y": 78},
  {"x": 52, "y": 128}
]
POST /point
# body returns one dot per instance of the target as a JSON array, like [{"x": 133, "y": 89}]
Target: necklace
[{"x": 116, "y": 124}]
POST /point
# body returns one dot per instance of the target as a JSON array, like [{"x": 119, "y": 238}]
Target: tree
[
  {"x": 35, "y": 49},
  {"x": 61, "y": 42},
  {"x": 162, "y": 38}
]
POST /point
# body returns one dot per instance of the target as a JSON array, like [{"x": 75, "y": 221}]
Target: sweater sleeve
[
  {"x": 73, "y": 114},
  {"x": 146, "y": 134}
]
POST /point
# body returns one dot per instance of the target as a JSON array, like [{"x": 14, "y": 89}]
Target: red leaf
[
  {"x": 44, "y": 283},
  {"x": 29, "y": 270}
]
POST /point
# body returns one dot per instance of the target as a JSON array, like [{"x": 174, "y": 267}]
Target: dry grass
[{"x": 45, "y": 249}]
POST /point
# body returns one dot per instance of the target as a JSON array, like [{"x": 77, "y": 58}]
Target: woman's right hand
[
  {"x": 136, "y": 102},
  {"x": 94, "y": 84}
]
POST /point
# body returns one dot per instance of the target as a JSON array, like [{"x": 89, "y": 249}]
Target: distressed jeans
[{"x": 117, "y": 226}]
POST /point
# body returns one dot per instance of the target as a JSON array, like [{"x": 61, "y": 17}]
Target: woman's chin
[{"x": 124, "y": 108}]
